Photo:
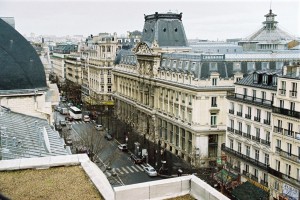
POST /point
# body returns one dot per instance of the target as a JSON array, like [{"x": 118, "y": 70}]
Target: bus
[{"x": 75, "y": 112}]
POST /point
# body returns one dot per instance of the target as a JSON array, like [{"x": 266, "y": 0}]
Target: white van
[
  {"x": 64, "y": 111},
  {"x": 86, "y": 118}
]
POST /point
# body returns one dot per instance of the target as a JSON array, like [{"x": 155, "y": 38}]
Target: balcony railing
[
  {"x": 293, "y": 93},
  {"x": 255, "y": 138},
  {"x": 282, "y": 91},
  {"x": 247, "y": 135},
  {"x": 265, "y": 142},
  {"x": 278, "y": 129},
  {"x": 286, "y": 112},
  {"x": 288, "y": 155},
  {"x": 239, "y": 114},
  {"x": 237, "y": 169},
  {"x": 257, "y": 119},
  {"x": 265, "y": 183},
  {"x": 250, "y": 99},
  {"x": 231, "y": 111},
  {"x": 230, "y": 129},
  {"x": 287, "y": 178},
  {"x": 253, "y": 177},
  {"x": 247, "y": 116},
  {"x": 289, "y": 133},
  {"x": 238, "y": 132},
  {"x": 244, "y": 157},
  {"x": 267, "y": 122},
  {"x": 246, "y": 173}
]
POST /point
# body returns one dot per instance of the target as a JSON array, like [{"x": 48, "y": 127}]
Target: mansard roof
[
  {"x": 250, "y": 81},
  {"x": 21, "y": 67}
]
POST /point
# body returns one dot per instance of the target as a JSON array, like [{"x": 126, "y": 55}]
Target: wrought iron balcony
[
  {"x": 289, "y": 133},
  {"x": 265, "y": 142},
  {"x": 257, "y": 139},
  {"x": 257, "y": 119},
  {"x": 239, "y": 114},
  {"x": 253, "y": 177},
  {"x": 265, "y": 183},
  {"x": 288, "y": 155},
  {"x": 247, "y": 116},
  {"x": 244, "y": 157},
  {"x": 282, "y": 91},
  {"x": 293, "y": 93},
  {"x": 278, "y": 129},
  {"x": 238, "y": 132},
  {"x": 267, "y": 122},
  {"x": 231, "y": 111},
  {"x": 247, "y": 135},
  {"x": 246, "y": 173},
  {"x": 250, "y": 99},
  {"x": 230, "y": 129},
  {"x": 285, "y": 177},
  {"x": 287, "y": 112}
]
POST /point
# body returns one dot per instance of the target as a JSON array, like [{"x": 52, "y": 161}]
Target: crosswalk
[
  {"x": 129, "y": 169},
  {"x": 80, "y": 122}
]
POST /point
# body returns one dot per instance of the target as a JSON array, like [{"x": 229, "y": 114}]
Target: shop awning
[
  {"x": 225, "y": 177},
  {"x": 248, "y": 191}
]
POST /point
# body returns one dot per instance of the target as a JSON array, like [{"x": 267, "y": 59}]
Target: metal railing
[
  {"x": 287, "y": 112},
  {"x": 293, "y": 93},
  {"x": 244, "y": 157},
  {"x": 250, "y": 99},
  {"x": 247, "y": 116},
  {"x": 288, "y": 155},
  {"x": 267, "y": 122}
]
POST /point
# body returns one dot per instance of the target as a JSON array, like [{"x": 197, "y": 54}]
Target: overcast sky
[{"x": 203, "y": 19}]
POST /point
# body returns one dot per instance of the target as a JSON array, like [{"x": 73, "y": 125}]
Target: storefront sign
[
  {"x": 258, "y": 185},
  {"x": 290, "y": 191}
]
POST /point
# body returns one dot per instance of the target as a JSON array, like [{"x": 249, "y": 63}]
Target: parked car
[
  {"x": 150, "y": 171},
  {"x": 108, "y": 136},
  {"x": 70, "y": 104},
  {"x": 58, "y": 127},
  {"x": 136, "y": 159},
  {"x": 86, "y": 118},
  {"x": 62, "y": 123},
  {"x": 123, "y": 147},
  {"x": 57, "y": 108},
  {"x": 99, "y": 127}
]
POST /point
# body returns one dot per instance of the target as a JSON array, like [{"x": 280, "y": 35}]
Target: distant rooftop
[{"x": 23, "y": 136}]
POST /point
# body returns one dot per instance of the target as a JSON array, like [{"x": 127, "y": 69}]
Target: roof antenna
[{"x": 270, "y": 5}]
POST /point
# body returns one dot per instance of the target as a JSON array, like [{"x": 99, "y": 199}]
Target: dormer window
[
  {"x": 163, "y": 63},
  {"x": 255, "y": 78},
  {"x": 265, "y": 79},
  {"x": 213, "y": 66},
  {"x": 250, "y": 66},
  {"x": 264, "y": 65},
  {"x": 174, "y": 64},
  {"x": 236, "y": 66},
  {"x": 274, "y": 80},
  {"x": 186, "y": 65}
]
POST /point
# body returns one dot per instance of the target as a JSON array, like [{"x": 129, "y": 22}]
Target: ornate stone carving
[
  {"x": 155, "y": 44},
  {"x": 143, "y": 49}
]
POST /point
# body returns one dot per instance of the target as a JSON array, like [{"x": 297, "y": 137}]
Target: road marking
[
  {"x": 134, "y": 168},
  {"x": 125, "y": 170},
  {"x": 129, "y": 169},
  {"x": 140, "y": 168},
  {"x": 119, "y": 171}
]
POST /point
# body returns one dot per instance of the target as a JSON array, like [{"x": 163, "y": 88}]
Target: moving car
[
  {"x": 69, "y": 118},
  {"x": 123, "y": 147},
  {"x": 150, "y": 171},
  {"x": 62, "y": 123},
  {"x": 99, "y": 127},
  {"x": 136, "y": 159},
  {"x": 86, "y": 118},
  {"x": 108, "y": 136}
]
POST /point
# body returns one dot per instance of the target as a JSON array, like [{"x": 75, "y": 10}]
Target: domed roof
[{"x": 20, "y": 65}]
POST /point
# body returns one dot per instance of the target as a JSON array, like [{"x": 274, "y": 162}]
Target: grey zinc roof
[
  {"x": 248, "y": 80},
  {"x": 278, "y": 55},
  {"x": 165, "y": 28},
  {"x": 21, "y": 67},
  {"x": 22, "y": 137}
]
